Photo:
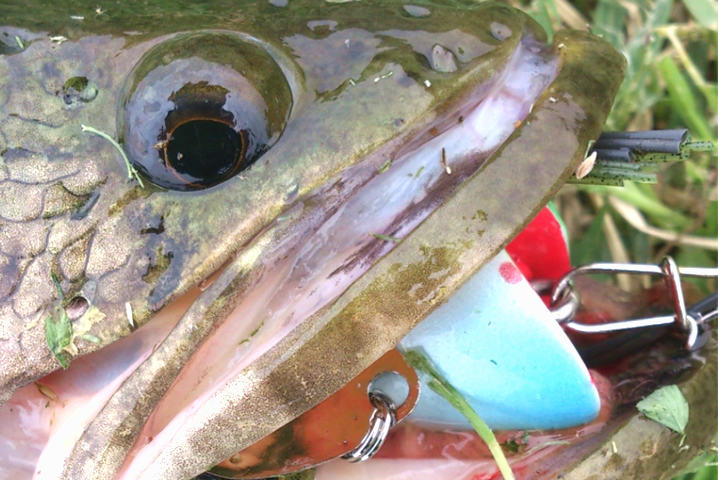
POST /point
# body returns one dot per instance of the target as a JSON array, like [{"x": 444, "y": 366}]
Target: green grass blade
[
  {"x": 683, "y": 99},
  {"x": 640, "y": 89},
  {"x": 131, "y": 172},
  {"x": 705, "y": 12},
  {"x": 442, "y": 387},
  {"x": 642, "y": 197},
  {"x": 609, "y": 22}
]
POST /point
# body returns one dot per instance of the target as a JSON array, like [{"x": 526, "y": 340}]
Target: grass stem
[{"x": 131, "y": 172}]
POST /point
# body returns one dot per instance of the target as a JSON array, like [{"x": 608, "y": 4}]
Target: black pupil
[{"x": 206, "y": 151}]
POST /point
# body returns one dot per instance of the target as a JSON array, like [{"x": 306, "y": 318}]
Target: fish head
[{"x": 215, "y": 216}]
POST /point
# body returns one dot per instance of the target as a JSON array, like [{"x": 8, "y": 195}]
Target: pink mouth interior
[{"x": 42, "y": 419}]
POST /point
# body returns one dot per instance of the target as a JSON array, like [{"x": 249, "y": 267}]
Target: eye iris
[
  {"x": 205, "y": 150},
  {"x": 200, "y": 108}
]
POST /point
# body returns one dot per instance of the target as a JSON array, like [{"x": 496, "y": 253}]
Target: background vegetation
[{"x": 670, "y": 83}]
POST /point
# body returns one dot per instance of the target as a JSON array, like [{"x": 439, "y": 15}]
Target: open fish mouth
[
  {"x": 299, "y": 265},
  {"x": 320, "y": 277}
]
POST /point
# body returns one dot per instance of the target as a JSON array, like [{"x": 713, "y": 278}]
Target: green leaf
[
  {"x": 58, "y": 287},
  {"x": 640, "y": 90},
  {"x": 592, "y": 246},
  {"x": 644, "y": 198},
  {"x": 545, "y": 13},
  {"x": 385, "y": 167},
  {"x": 58, "y": 334},
  {"x": 697, "y": 257},
  {"x": 711, "y": 223},
  {"x": 386, "y": 238},
  {"x": 705, "y": 12},
  {"x": 702, "y": 467},
  {"x": 609, "y": 22},
  {"x": 684, "y": 102},
  {"x": 708, "y": 473},
  {"x": 667, "y": 406}
]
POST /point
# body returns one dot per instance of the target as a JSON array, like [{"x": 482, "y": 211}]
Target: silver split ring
[{"x": 383, "y": 418}]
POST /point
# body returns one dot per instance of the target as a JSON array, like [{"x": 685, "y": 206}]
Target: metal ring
[
  {"x": 670, "y": 270},
  {"x": 383, "y": 418},
  {"x": 692, "y": 333},
  {"x": 567, "y": 305}
]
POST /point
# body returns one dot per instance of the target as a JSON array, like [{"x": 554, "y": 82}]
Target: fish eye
[{"x": 200, "y": 108}]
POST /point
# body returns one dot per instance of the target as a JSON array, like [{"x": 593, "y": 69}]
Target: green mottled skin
[{"x": 147, "y": 246}]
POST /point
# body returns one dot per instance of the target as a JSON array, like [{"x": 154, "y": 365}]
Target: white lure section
[{"x": 497, "y": 343}]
